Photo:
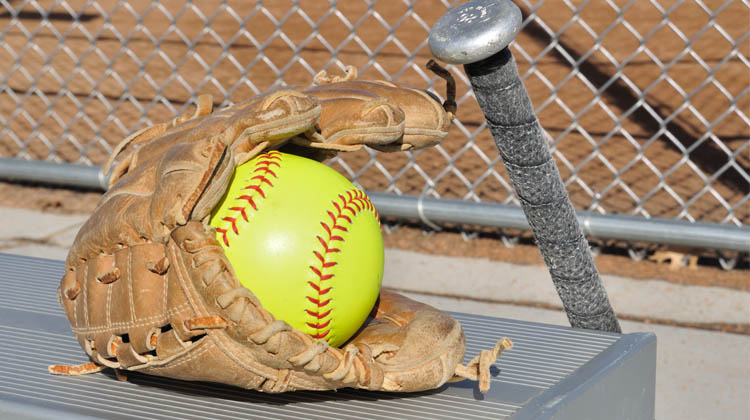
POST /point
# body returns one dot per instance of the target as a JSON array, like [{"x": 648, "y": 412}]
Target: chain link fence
[{"x": 646, "y": 103}]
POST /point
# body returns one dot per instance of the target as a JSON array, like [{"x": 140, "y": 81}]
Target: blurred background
[{"x": 646, "y": 104}]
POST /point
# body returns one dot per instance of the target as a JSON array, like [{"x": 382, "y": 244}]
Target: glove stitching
[
  {"x": 192, "y": 355},
  {"x": 75, "y": 307},
  {"x": 133, "y": 317},
  {"x": 85, "y": 300},
  {"x": 109, "y": 304},
  {"x": 165, "y": 291},
  {"x": 354, "y": 199},
  {"x": 310, "y": 356},
  {"x": 134, "y": 324}
]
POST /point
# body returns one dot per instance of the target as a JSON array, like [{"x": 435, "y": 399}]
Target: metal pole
[
  {"x": 61, "y": 174},
  {"x": 605, "y": 226}
]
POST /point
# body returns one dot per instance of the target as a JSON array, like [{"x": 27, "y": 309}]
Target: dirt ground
[{"x": 76, "y": 98}]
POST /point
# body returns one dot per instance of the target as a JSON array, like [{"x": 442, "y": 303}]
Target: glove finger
[
  {"x": 426, "y": 123},
  {"x": 271, "y": 119},
  {"x": 361, "y": 120},
  {"x": 417, "y": 345}
]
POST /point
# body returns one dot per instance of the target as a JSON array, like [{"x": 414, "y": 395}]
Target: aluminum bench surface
[{"x": 552, "y": 372}]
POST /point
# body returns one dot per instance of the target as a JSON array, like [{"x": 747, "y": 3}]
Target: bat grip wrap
[{"x": 541, "y": 191}]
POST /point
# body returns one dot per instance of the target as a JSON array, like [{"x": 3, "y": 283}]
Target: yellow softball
[{"x": 305, "y": 241}]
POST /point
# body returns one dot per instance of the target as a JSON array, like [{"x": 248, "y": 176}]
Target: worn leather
[{"x": 148, "y": 288}]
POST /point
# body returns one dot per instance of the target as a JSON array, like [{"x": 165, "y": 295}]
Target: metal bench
[{"x": 552, "y": 372}]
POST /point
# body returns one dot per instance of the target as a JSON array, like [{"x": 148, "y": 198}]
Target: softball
[{"x": 305, "y": 241}]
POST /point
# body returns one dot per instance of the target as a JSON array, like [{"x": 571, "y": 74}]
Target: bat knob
[{"x": 475, "y": 30}]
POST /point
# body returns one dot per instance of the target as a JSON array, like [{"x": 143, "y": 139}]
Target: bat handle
[{"x": 525, "y": 153}]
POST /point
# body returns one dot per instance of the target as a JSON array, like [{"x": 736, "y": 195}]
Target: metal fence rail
[{"x": 646, "y": 103}]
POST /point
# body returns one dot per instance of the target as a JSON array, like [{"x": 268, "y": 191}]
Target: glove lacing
[
  {"x": 478, "y": 369},
  {"x": 346, "y": 371}
]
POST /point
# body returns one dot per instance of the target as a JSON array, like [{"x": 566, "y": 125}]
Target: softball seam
[
  {"x": 354, "y": 202},
  {"x": 263, "y": 170}
]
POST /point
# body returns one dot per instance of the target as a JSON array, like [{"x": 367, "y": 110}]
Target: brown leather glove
[{"x": 148, "y": 286}]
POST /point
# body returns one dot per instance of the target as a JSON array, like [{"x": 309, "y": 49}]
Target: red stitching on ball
[
  {"x": 354, "y": 201},
  {"x": 318, "y": 289},
  {"x": 318, "y": 301},
  {"x": 318, "y": 325},
  {"x": 266, "y": 170},
  {"x": 241, "y": 210},
  {"x": 233, "y": 221},
  {"x": 223, "y": 235},
  {"x": 319, "y": 273},
  {"x": 320, "y": 335},
  {"x": 317, "y": 314},
  {"x": 257, "y": 189},
  {"x": 262, "y": 178},
  {"x": 249, "y": 200},
  {"x": 273, "y": 154},
  {"x": 262, "y": 165}
]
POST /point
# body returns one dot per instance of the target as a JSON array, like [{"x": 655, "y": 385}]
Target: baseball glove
[{"x": 148, "y": 287}]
